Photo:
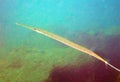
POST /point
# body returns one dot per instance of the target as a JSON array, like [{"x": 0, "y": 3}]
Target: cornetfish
[{"x": 68, "y": 43}]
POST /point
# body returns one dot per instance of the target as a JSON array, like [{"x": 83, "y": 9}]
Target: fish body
[{"x": 68, "y": 43}]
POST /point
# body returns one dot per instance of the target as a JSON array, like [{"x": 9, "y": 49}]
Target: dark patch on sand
[{"x": 16, "y": 64}]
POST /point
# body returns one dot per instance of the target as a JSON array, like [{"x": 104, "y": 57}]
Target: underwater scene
[{"x": 59, "y": 41}]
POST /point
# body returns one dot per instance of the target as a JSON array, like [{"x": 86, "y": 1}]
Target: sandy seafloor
[{"x": 25, "y": 64}]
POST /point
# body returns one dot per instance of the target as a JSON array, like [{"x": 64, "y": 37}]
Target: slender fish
[{"x": 68, "y": 43}]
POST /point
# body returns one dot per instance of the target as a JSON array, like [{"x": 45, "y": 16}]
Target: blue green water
[
  {"x": 67, "y": 18},
  {"x": 62, "y": 17}
]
